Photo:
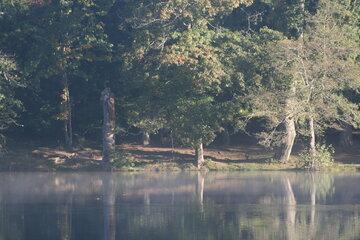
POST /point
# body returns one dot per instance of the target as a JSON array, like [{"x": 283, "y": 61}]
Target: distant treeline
[{"x": 184, "y": 70}]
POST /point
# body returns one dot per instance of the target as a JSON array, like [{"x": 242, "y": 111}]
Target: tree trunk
[
  {"x": 290, "y": 134},
  {"x": 312, "y": 142},
  {"x": 289, "y": 140},
  {"x": 66, "y": 112},
  {"x": 199, "y": 155},
  {"x": 162, "y": 137},
  {"x": 108, "y": 126},
  {"x": 225, "y": 137},
  {"x": 302, "y": 9},
  {"x": 312, "y": 136},
  {"x": 346, "y": 137},
  {"x": 145, "y": 138}
]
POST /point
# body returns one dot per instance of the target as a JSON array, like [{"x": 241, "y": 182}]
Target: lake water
[{"x": 235, "y": 205}]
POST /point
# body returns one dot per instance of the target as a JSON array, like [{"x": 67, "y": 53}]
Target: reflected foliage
[{"x": 184, "y": 206}]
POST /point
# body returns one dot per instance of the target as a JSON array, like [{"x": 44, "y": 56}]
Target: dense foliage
[
  {"x": 189, "y": 70},
  {"x": 9, "y": 105}
]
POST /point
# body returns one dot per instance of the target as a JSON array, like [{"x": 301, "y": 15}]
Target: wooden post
[{"x": 108, "y": 102}]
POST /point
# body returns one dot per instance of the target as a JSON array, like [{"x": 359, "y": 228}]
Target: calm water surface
[{"x": 256, "y": 205}]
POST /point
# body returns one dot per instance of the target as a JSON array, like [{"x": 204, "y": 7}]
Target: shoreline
[{"x": 153, "y": 158}]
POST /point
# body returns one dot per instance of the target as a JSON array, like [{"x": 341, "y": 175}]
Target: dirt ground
[
  {"x": 30, "y": 158},
  {"x": 219, "y": 154}
]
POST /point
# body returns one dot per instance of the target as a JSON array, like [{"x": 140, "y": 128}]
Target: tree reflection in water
[
  {"x": 290, "y": 209},
  {"x": 313, "y": 206},
  {"x": 109, "y": 200},
  {"x": 180, "y": 205},
  {"x": 199, "y": 187},
  {"x": 64, "y": 217}
]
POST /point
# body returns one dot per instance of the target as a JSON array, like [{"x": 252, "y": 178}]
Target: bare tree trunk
[
  {"x": 289, "y": 140},
  {"x": 312, "y": 136},
  {"x": 145, "y": 138},
  {"x": 312, "y": 142},
  {"x": 66, "y": 112},
  {"x": 108, "y": 126},
  {"x": 346, "y": 137},
  {"x": 199, "y": 154}
]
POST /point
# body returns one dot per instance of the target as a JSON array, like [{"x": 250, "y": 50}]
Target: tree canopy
[{"x": 192, "y": 69}]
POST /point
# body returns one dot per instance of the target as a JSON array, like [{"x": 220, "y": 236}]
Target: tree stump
[{"x": 108, "y": 102}]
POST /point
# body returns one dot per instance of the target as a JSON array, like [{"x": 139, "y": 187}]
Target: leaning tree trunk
[
  {"x": 199, "y": 154},
  {"x": 290, "y": 130},
  {"x": 66, "y": 111},
  {"x": 346, "y": 137},
  {"x": 288, "y": 141},
  {"x": 312, "y": 142},
  {"x": 290, "y": 134},
  {"x": 108, "y": 102}
]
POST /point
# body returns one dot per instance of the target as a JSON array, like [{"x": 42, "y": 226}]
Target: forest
[{"x": 198, "y": 74}]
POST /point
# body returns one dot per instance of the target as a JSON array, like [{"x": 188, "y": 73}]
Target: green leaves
[
  {"x": 191, "y": 67},
  {"x": 318, "y": 68},
  {"x": 184, "y": 57},
  {"x": 9, "y": 105}
]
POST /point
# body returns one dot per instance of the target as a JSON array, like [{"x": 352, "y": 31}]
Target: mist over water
[{"x": 221, "y": 205}]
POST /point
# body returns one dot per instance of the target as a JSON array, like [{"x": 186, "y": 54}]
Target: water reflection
[
  {"x": 64, "y": 218},
  {"x": 313, "y": 205},
  {"x": 289, "y": 208},
  {"x": 179, "y": 206},
  {"x": 200, "y": 183},
  {"x": 109, "y": 201}
]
